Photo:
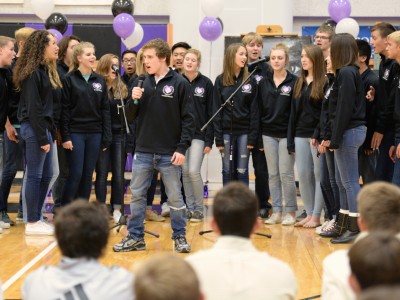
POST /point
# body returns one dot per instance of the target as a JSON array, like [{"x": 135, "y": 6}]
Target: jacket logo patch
[
  {"x": 285, "y": 90},
  {"x": 246, "y": 88},
  {"x": 386, "y": 74},
  {"x": 199, "y": 91},
  {"x": 258, "y": 78},
  {"x": 97, "y": 87},
  {"x": 168, "y": 90}
]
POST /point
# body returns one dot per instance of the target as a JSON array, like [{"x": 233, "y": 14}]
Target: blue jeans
[
  {"x": 367, "y": 165},
  {"x": 329, "y": 187},
  {"x": 308, "y": 167},
  {"x": 13, "y": 157},
  {"x": 81, "y": 163},
  {"x": 113, "y": 155},
  {"x": 142, "y": 174},
  {"x": 396, "y": 173},
  {"x": 384, "y": 165},
  {"x": 346, "y": 159},
  {"x": 281, "y": 173},
  {"x": 38, "y": 174},
  {"x": 191, "y": 176},
  {"x": 240, "y": 159}
]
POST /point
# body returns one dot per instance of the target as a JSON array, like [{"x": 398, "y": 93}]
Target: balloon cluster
[
  {"x": 130, "y": 32},
  {"x": 211, "y": 26},
  {"x": 339, "y": 11}
]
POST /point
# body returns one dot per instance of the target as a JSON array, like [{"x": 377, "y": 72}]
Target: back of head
[
  {"x": 235, "y": 210},
  {"x": 22, "y": 34},
  {"x": 375, "y": 260},
  {"x": 161, "y": 47},
  {"x": 379, "y": 206},
  {"x": 82, "y": 229},
  {"x": 166, "y": 277},
  {"x": 344, "y": 51},
  {"x": 381, "y": 293},
  {"x": 63, "y": 45},
  {"x": 384, "y": 29},
  {"x": 364, "y": 49}
]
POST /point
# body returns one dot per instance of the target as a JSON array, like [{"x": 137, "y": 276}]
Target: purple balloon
[
  {"x": 210, "y": 29},
  {"x": 124, "y": 25},
  {"x": 339, "y": 9},
  {"x": 58, "y": 34}
]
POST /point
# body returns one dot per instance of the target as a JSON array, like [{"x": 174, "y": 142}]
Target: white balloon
[
  {"x": 212, "y": 8},
  {"x": 348, "y": 25},
  {"x": 135, "y": 38},
  {"x": 42, "y": 8}
]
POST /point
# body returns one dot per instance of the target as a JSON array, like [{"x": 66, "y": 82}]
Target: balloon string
[{"x": 209, "y": 74}]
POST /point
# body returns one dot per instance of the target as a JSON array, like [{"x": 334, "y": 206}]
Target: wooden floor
[{"x": 301, "y": 248}]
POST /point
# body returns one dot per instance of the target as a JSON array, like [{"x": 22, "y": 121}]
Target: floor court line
[{"x": 29, "y": 265}]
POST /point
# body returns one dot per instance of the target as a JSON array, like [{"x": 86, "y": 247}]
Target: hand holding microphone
[{"x": 137, "y": 91}]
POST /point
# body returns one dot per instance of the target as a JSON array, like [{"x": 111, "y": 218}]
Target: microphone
[
  {"x": 115, "y": 68},
  {"x": 141, "y": 79},
  {"x": 264, "y": 59}
]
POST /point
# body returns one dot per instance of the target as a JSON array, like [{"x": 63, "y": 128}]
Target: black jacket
[
  {"x": 388, "y": 68},
  {"x": 324, "y": 127},
  {"x": 201, "y": 90},
  {"x": 304, "y": 117},
  {"x": 5, "y": 93},
  {"x": 263, "y": 70},
  {"x": 13, "y": 100},
  {"x": 275, "y": 105},
  {"x": 347, "y": 108},
  {"x": 165, "y": 122},
  {"x": 36, "y": 104},
  {"x": 396, "y": 115},
  {"x": 244, "y": 116},
  {"x": 85, "y": 107}
]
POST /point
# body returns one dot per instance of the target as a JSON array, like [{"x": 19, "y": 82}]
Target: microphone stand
[
  {"x": 230, "y": 101},
  {"x": 123, "y": 219}
]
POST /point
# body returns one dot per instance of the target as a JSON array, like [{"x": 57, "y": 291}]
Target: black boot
[
  {"x": 340, "y": 227},
  {"x": 350, "y": 234}
]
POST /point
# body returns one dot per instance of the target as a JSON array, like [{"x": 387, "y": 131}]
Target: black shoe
[
  {"x": 197, "y": 217},
  {"x": 339, "y": 228},
  {"x": 188, "y": 214},
  {"x": 302, "y": 216},
  {"x": 181, "y": 244},
  {"x": 6, "y": 219},
  {"x": 263, "y": 213},
  {"x": 346, "y": 238},
  {"x": 130, "y": 244}
]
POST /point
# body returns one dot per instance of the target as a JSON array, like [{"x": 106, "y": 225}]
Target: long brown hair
[
  {"x": 103, "y": 69},
  {"x": 33, "y": 55},
  {"x": 78, "y": 50},
  {"x": 228, "y": 77},
  {"x": 344, "y": 51},
  {"x": 314, "y": 53},
  {"x": 64, "y": 44}
]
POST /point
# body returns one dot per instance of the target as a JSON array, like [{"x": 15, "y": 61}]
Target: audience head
[
  {"x": 191, "y": 61},
  {"x": 323, "y": 38},
  {"x": 7, "y": 51},
  {"x": 364, "y": 52},
  {"x": 235, "y": 211},
  {"x": 344, "y": 51},
  {"x": 279, "y": 56},
  {"x": 379, "y": 33},
  {"x": 66, "y": 51},
  {"x": 253, "y": 43},
  {"x": 178, "y": 52},
  {"x": 375, "y": 260},
  {"x": 156, "y": 55},
  {"x": 128, "y": 59},
  {"x": 382, "y": 292},
  {"x": 82, "y": 229},
  {"x": 379, "y": 207},
  {"x": 235, "y": 60},
  {"x": 83, "y": 56},
  {"x": 393, "y": 46},
  {"x": 166, "y": 277}
]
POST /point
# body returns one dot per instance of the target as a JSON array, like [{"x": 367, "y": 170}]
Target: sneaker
[
  {"x": 197, "y": 217},
  {"x": 263, "y": 213},
  {"x": 4, "y": 225},
  {"x": 288, "y": 220},
  {"x": 5, "y": 218},
  {"x": 188, "y": 214},
  {"x": 181, "y": 244},
  {"x": 1, "y": 230},
  {"x": 152, "y": 215},
  {"x": 329, "y": 226},
  {"x": 165, "y": 210},
  {"x": 302, "y": 216},
  {"x": 39, "y": 228},
  {"x": 275, "y": 218},
  {"x": 116, "y": 216},
  {"x": 319, "y": 228},
  {"x": 129, "y": 244},
  {"x": 20, "y": 216}
]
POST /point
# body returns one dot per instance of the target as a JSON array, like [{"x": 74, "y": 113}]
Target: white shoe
[
  {"x": 116, "y": 216},
  {"x": 4, "y": 225},
  {"x": 275, "y": 218},
  {"x": 288, "y": 220},
  {"x": 1, "y": 230},
  {"x": 165, "y": 210},
  {"x": 320, "y": 228},
  {"x": 39, "y": 228},
  {"x": 328, "y": 226}
]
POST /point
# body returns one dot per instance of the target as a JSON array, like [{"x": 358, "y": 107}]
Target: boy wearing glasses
[
  {"x": 323, "y": 38},
  {"x": 129, "y": 65}
]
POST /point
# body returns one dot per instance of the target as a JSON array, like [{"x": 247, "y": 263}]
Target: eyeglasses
[
  {"x": 321, "y": 37},
  {"x": 127, "y": 61}
]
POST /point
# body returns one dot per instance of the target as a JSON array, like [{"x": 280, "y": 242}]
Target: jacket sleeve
[
  {"x": 131, "y": 109},
  {"x": 396, "y": 114},
  {"x": 66, "y": 110},
  {"x": 344, "y": 106},
  {"x": 209, "y": 139},
  {"x": 106, "y": 119},
  {"x": 255, "y": 117},
  {"x": 217, "y": 102},
  {"x": 187, "y": 120},
  {"x": 292, "y": 126}
]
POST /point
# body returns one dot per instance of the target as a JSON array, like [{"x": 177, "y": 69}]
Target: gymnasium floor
[{"x": 301, "y": 248}]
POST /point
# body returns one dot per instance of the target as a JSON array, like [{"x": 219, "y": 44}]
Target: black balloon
[
  {"x": 330, "y": 22},
  {"x": 222, "y": 24},
  {"x": 57, "y": 21},
  {"x": 122, "y": 6}
]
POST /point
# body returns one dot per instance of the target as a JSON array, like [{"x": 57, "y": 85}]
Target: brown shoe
[{"x": 152, "y": 215}]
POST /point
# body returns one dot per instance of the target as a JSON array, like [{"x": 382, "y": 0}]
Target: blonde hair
[
  {"x": 4, "y": 40},
  {"x": 395, "y": 37},
  {"x": 103, "y": 69},
  {"x": 195, "y": 52},
  {"x": 139, "y": 63},
  {"x": 283, "y": 47},
  {"x": 22, "y": 34},
  {"x": 252, "y": 36},
  {"x": 228, "y": 77},
  {"x": 78, "y": 50}
]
